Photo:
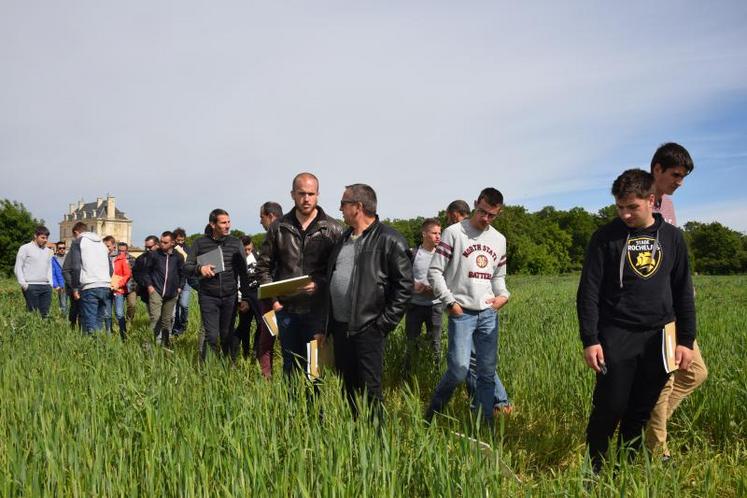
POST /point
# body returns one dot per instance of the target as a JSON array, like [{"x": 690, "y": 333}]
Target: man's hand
[
  {"x": 456, "y": 310},
  {"x": 594, "y": 357},
  {"x": 421, "y": 288},
  {"x": 497, "y": 302},
  {"x": 24, "y": 287},
  {"x": 75, "y": 295},
  {"x": 151, "y": 289},
  {"x": 207, "y": 271},
  {"x": 320, "y": 339},
  {"x": 683, "y": 356},
  {"x": 308, "y": 289},
  {"x": 243, "y": 307},
  {"x": 276, "y": 306}
]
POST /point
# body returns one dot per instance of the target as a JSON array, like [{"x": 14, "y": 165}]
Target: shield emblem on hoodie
[{"x": 641, "y": 256}]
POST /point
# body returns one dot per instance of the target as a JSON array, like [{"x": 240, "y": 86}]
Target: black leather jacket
[
  {"x": 381, "y": 284},
  {"x": 286, "y": 253}
]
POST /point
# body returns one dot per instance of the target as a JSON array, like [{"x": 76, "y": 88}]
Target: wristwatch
[{"x": 450, "y": 305}]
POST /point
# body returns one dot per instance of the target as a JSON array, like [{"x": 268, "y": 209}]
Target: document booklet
[
  {"x": 312, "y": 365},
  {"x": 214, "y": 258},
  {"x": 668, "y": 345},
  {"x": 116, "y": 282},
  {"x": 282, "y": 287},
  {"x": 272, "y": 322}
]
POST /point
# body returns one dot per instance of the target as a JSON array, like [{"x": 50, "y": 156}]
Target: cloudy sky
[{"x": 179, "y": 107}]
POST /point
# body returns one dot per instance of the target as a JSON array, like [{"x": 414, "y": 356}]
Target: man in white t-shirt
[{"x": 424, "y": 308}]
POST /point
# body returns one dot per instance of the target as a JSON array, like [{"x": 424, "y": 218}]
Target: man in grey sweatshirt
[
  {"x": 33, "y": 271},
  {"x": 467, "y": 274},
  {"x": 87, "y": 272}
]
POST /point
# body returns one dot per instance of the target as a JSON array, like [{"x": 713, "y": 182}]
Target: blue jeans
[
  {"x": 182, "y": 309},
  {"x": 471, "y": 328},
  {"x": 63, "y": 298},
  {"x": 119, "y": 313},
  {"x": 500, "y": 396},
  {"x": 93, "y": 304},
  {"x": 295, "y": 330}
]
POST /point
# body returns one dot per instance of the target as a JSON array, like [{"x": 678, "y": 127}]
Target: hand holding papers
[{"x": 283, "y": 287}]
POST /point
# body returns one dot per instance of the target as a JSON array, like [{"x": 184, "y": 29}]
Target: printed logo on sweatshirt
[{"x": 641, "y": 256}]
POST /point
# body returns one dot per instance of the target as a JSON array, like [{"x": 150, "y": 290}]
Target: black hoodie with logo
[{"x": 636, "y": 279}]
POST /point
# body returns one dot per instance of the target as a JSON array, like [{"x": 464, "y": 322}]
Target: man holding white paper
[{"x": 297, "y": 244}]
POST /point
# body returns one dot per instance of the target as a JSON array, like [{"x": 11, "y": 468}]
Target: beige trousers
[{"x": 679, "y": 386}]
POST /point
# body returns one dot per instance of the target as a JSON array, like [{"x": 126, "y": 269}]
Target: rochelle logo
[{"x": 640, "y": 256}]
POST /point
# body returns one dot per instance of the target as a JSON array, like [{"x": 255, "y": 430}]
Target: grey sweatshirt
[
  {"x": 87, "y": 265},
  {"x": 469, "y": 266},
  {"x": 33, "y": 265}
]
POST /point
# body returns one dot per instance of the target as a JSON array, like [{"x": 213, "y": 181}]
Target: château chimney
[{"x": 110, "y": 207}]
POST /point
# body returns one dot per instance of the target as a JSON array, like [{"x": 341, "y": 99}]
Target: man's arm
[
  {"x": 498, "y": 283},
  {"x": 399, "y": 276},
  {"x": 191, "y": 269},
  {"x": 267, "y": 256},
  {"x": 50, "y": 274},
  {"x": 147, "y": 277},
  {"x": 71, "y": 267},
  {"x": 589, "y": 288},
  {"x": 18, "y": 269},
  {"x": 439, "y": 262}
]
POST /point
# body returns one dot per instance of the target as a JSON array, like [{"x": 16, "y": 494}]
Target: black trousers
[
  {"x": 73, "y": 313},
  {"x": 242, "y": 334},
  {"x": 417, "y": 316},
  {"x": 218, "y": 315},
  {"x": 38, "y": 298},
  {"x": 628, "y": 392},
  {"x": 360, "y": 361}
]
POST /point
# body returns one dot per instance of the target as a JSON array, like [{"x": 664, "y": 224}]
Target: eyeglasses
[
  {"x": 481, "y": 212},
  {"x": 347, "y": 201}
]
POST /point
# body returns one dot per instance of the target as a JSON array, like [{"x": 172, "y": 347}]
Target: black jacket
[
  {"x": 165, "y": 272},
  {"x": 287, "y": 253},
  {"x": 381, "y": 284},
  {"x": 652, "y": 290},
  {"x": 224, "y": 283}
]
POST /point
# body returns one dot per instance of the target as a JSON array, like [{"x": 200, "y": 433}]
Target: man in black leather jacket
[
  {"x": 299, "y": 244},
  {"x": 370, "y": 284},
  {"x": 218, "y": 291}
]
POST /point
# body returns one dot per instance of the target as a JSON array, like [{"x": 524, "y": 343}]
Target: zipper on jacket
[{"x": 166, "y": 276}]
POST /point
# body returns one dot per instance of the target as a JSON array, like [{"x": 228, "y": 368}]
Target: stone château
[{"x": 102, "y": 217}]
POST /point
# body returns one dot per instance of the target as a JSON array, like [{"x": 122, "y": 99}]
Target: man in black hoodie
[
  {"x": 164, "y": 279},
  {"x": 218, "y": 290},
  {"x": 635, "y": 280}
]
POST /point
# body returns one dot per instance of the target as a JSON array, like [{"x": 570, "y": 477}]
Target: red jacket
[{"x": 123, "y": 270}]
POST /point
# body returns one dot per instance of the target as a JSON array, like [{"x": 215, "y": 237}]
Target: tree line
[{"x": 546, "y": 242}]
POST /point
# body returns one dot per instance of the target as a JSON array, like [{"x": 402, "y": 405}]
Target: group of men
[{"x": 364, "y": 279}]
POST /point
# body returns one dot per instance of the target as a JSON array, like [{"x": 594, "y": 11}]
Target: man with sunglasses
[
  {"x": 468, "y": 274},
  {"x": 58, "y": 281}
]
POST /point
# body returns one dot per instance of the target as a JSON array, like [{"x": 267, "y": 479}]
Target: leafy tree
[
  {"x": 16, "y": 228},
  {"x": 715, "y": 248}
]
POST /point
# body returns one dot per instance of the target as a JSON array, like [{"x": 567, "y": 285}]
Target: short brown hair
[
  {"x": 633, "y": 181},
  {"x": 428, "y": 223},
  {"x": 80, "y": 227}
]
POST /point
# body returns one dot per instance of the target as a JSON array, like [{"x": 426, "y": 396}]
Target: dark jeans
[
  {"x": 38, "y": 298},
  {"x": 93, "y": 304},
  {"x": 73, "y": 314},
  {"x": 360, "y": 361},
  {"x": 295, "y": 331},
  {"x": 417, "y": 316},
  {"x": 627, "y": 393},
  {"x": 218, "y": 315},
  {"x": 244, "y": 327}
]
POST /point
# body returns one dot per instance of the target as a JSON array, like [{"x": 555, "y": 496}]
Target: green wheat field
[{"x": 86, "y": 416}]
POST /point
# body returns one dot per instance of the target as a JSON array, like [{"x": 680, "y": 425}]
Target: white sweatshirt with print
[{"x": 469, "y": 266}]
